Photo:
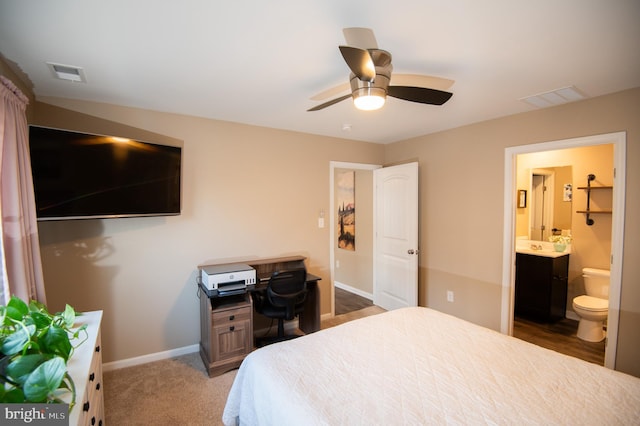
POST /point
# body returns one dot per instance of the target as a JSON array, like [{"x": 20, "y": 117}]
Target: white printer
[{"x": 231, "y": 278}]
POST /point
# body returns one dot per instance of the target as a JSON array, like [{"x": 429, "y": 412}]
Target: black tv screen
[{"x": 81, "y": 176}]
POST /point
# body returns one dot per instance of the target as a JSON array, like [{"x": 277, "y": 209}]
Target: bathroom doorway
[{"x": 614, "y": 259}]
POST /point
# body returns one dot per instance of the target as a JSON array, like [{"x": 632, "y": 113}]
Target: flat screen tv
[{"x": 88, "y": 176}]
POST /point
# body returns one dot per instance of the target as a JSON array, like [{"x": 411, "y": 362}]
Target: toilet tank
[{"x": 596, "y": 282}]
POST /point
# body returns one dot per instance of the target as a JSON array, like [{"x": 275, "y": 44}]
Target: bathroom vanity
[{"x": 541, "y": 285}]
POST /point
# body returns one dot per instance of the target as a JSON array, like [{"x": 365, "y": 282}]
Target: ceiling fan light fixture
[{"x": 369, "y": 98}]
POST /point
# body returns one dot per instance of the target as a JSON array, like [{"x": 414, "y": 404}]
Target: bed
[{"x": 417, "y": 366}]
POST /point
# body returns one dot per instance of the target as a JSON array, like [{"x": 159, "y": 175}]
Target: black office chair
[{"x": 282, "y": 300}]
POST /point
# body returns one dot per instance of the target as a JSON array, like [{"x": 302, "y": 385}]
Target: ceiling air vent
[
  {"x": 554, "y": 97},
  {"x": 67, "y": 72}
]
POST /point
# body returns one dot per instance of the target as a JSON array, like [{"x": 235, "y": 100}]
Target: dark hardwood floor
[
  {"x": 348, "y": 302},
  {"x": 560, "y": 337}
]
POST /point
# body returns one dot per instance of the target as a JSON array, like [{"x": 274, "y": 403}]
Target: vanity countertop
[
  {"x": 540, "y": 248},
  {"x": 546, "y": 253}
]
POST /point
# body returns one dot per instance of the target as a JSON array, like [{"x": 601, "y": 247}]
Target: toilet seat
[{"x": 592, "y": 304}]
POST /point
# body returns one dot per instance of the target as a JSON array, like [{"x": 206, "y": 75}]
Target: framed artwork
[
  {"x": 346, "y": 210},
  {"x": 567, "y": 193},
  {"x": 522, "y": 198}
]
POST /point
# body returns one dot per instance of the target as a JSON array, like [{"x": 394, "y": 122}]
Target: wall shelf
[{"x": 590, "y": 188}]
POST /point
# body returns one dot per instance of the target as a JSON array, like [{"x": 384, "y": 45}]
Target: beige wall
[
  {"x": 461, "y": 190},
  {"x": 563, "y": 211},
  {"x": 247, "y": 192},
  {"x": 355, "y": 268}
]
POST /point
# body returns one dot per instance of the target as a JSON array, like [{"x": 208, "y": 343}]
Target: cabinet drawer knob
[
  {"x": 93, "y": 420},
  {"x": 98, "y": 348},
  {"x": 85, "y": 406},
  {"x": 232, "y": 317},
  {"x": 232, "y": 328},
  {"x": 92, "y": 377}
]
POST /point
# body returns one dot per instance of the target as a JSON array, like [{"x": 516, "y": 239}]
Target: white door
[{"x": 395, "y": 280}]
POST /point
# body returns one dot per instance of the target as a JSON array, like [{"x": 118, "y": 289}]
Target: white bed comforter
[{"x": 417, "y": 366}]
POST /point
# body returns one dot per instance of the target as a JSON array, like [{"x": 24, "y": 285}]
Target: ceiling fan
[{"x": 370, "y": 81}]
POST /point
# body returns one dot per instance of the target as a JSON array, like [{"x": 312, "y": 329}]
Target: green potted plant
[{"x": 35, "y": 347}]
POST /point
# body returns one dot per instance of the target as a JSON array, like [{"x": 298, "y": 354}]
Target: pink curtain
[{"x": 21, "y": 264}]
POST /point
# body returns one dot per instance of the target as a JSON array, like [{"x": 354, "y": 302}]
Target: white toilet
[{"x": 593, "y": 307}]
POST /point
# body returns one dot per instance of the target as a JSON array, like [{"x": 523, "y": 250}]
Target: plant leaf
[
  {"x": 56, "y": 341},
  {"x": 44, "y": 380},
  {"x": 40, "y": 320},
  {"x": 34, "y": 305},
  {"x": 20, "y": 368},
  {"x": 69, "y": 316},
  {"x": 15, "y": 342},
  {"x": 14, "y": 396},
  {"x": 16, "y": 308}
]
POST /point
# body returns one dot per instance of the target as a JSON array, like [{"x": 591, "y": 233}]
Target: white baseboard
[
  {"x": 158, "y": 356},
  {"x": 353, "y": 290}
]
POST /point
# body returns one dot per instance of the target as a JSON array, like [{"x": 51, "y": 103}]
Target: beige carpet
[{"x": 177, "y": 391}]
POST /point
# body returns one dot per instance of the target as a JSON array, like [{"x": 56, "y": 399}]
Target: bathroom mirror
[{"x": 549, "y": 204}]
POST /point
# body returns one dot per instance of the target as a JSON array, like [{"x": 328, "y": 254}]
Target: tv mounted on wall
[{"x": 88, "y": 176}]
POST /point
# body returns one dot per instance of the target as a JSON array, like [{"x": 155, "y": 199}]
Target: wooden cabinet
[
  {"x": 226, "y": 331},
  {"x": 541, "y": 287},
  {"x": 85, "y": 368}
]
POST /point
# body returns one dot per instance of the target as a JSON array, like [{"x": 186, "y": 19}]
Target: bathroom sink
[{"x": 539, "y": 248}]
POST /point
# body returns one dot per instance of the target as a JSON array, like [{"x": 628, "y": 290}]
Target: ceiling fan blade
[
  {"x": 360, "y": 62},
  {"x": 331, "y": 102},
  {"x": 418, "y": 80},
  {"x": 421, "y": 95},
  {"x": 331, "y": 92},
  {"x": 360, "y": 37}
]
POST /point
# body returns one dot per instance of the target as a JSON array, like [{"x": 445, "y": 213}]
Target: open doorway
[
  {"x": 618, "y": 140},
  {"x": 352, "y": 270}
]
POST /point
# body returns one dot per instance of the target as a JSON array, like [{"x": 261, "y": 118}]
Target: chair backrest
[{"x": 288, "y": 289}]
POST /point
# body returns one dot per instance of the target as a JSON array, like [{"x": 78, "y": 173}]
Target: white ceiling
[{"x": 260, "y": 62}]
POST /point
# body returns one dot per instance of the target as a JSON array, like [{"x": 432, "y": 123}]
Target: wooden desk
[
  {"x": 226, "y": 322},
  {"x": 309, "y": 319}
]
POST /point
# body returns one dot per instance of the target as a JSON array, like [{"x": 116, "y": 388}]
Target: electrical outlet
[
  {"x": 337, "y": 263},
  {"x": 449, "y": 296}
]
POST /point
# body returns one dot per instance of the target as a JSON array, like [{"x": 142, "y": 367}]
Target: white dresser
[{"x": 85, "y": 368}]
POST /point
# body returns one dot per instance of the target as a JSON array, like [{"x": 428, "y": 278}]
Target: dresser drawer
[
  {"x": 220, "y": 318},
  {"x": 85, "y": 368}
]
